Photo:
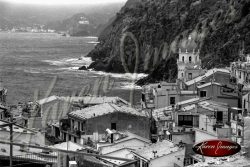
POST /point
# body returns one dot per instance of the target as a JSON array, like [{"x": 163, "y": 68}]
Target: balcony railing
[{"x": 74, "y": 132}]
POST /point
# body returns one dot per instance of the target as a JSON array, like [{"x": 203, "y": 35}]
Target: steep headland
[{"x": 216, "y": 27}]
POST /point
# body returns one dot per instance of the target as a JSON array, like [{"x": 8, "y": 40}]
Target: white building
[
  {"x": 123, "y": 144},
  {"x": 161, "y": 154}
]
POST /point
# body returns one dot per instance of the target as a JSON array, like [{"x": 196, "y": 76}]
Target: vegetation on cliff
[{"x": 217, "y": 28}]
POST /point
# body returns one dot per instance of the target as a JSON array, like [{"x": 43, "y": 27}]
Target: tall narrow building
[{"x": 189, "y": 63}]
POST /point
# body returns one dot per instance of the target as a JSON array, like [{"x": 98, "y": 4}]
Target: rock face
[{"x": 216, "y": 27}]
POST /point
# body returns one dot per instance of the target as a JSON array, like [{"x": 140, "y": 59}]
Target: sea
[{"x": 37, "y": 65}]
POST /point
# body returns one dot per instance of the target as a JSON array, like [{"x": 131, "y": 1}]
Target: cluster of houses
[{"x": 108, "y": 131}]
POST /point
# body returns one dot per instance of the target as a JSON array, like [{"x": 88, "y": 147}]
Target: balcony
[{"x": 73, "y": 132}]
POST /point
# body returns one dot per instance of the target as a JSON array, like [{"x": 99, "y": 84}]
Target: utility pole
[{"x": 11, "y": 140}]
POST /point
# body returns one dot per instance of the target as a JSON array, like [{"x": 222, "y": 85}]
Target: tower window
[
  {"x": 182, "y": 58},
  {"x": 190, "y": 76},
  {"x": 182, "y": 75},
  {"x": 190, "y": 59}
]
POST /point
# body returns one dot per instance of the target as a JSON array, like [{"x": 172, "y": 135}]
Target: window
[
  {"x": 75, "y": 140},
  {"x": 219, "y": 116},
  {"x": 113, "y": 126},
  {"x": 185, "y": 120},
  {"x": 240, "y": 75},
  {"x": 172, "y": 100},
  {"x": 190, "y": 59},
  {"x": 190, "y": 76},
  {"x": 143, "y": 97},
  {"x": 244, "y": 103},
  {"x": 239, "y": 133},
  {"x": 182, "y": 58},
  {"x": 82, "y": 128},
  {"x": 203, "y": 93},
  {"x": 182, "y": 75}
]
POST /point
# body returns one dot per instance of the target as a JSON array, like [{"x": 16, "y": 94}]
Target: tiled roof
[
  {"x": 164, "y": 147},
  {"x": 85, "y": 99},
  {"x": 189, "y": 106},
  {"x": 104, "y": 109},
  {"x": 214, "y": 106},
  {"x": 208, "y": 84},
  {"x": 132, "y": 136},
  {"x": 207, "y": 74},
  {"x": 71, "y": 146},
  {"x": 189, "y": 101}
]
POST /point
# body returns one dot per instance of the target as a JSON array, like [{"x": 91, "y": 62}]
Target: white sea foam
[
  {"x": 129, "y": 86},
  {"x": 128, "y": 76},
  {"x": 77, "y": 62}
]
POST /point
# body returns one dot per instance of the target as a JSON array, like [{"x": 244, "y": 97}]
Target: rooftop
[
  {"x": 104, "y": 109},
  {"x": 16, "y": 128},
  {"x": 163, "y": 113},
  {"x": 126, "y": 136},
  {"x": 214, "y": 106},
  {"x": 207, "y": 74},
  {"x": 85, "y": 100},
  {"x": 186, "y": 102},
  {"x": 232, "y": 161},
  {"x": 26, "y": 153},
  {"x": 160, "y": 149},
  {"x": 209, "y": 84},
  {"x": 71, "y": 146}
]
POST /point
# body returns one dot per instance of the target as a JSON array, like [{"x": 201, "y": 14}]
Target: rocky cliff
[{"x": 160, "y": 27}]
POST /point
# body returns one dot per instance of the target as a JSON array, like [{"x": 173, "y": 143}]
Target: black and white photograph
[{"x": 124, "y": 83}]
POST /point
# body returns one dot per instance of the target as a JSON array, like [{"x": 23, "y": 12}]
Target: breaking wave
[
  {"x": 76, "y": 62},
  {"x": 128, "y": 76}
]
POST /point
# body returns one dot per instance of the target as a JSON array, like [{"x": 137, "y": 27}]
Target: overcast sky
[{"x": 63, "y": 2}]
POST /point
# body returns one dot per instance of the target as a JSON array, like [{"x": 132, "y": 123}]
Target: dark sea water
[{"x": 30, "y": 62}]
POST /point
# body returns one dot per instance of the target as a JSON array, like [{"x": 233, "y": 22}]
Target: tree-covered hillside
[{"x": 216, "y": 27}]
